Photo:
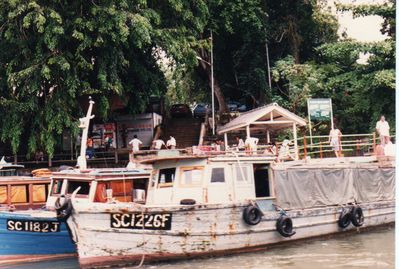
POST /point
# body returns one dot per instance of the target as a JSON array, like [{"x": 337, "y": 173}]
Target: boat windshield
[{"x": 84, "y": 188}]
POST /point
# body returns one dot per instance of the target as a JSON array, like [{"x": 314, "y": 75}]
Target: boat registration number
[
  {"x": 33, "y": 226},
  {"x": 161, "y": 221}
]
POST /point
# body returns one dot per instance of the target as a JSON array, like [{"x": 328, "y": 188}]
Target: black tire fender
[
  {"x": 285, "y": 226},
  {"x": 357, "y": 216},
  {"x": 252, "y": 215},
  {"x": 345, "y": 218},
  {"x": 187, "y": 202},
  {"x": 65, "y": 210}
]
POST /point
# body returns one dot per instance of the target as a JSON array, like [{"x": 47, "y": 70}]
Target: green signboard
[{"x": 320, "y": 109}]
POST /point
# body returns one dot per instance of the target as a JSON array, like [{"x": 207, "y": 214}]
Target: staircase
[{"x": 186, "y": 131}]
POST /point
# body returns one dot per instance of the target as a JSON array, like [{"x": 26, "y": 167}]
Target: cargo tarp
[{"x": 303, "y": 188}]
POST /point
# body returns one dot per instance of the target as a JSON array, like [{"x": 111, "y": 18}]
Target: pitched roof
[{"x": 264, "y": 114}]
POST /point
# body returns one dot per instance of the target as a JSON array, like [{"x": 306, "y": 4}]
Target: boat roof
[
  {"x": 102, "y": 173},
  {"x": 22, "y": 179},
  {"x": 175, "y": 158}
]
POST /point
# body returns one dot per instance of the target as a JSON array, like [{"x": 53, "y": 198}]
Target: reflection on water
[{"x": 373, "y": 249}]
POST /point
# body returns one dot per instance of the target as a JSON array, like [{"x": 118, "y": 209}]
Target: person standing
[
  {"x": 171, "y": 143},
  {"x": 383, "y": 130},
  {"x": 252, "y": 144},
  {"x": 158, "y": 143},
  {"x": 335, "y": 141},
  {"x": 135, "y": 143},
  {"x": 240, "y": 143}
]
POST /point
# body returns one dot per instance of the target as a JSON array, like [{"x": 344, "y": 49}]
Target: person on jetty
[
  {"x": 158, "y": 143},
  {"x": 335, "y": 141},
  {"x": 135, "y": 143},
  {"x": 240, "y": 143},
  {"x": 171, "y": 143},
  {"x": 383, "y": 130},
  {"x": 251, "y": 144},
  {"x": 284, "y": 152}
]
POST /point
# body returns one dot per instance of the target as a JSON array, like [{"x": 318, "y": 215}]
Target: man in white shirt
[
  {"x": 252, "y": 143},
  {"x": 383, "y": 130},
  {"x": 158, "y": 143},
  {"x": 135, "y": 143},
  {"x": 240, "y": 143},
  {"x": 171, "y": 143}
]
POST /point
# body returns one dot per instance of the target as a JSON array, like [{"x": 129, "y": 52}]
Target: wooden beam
[
  {"x": 295, "y": 140},
  {"x": 273, "y": 122},
  {"x": 248, "y": 131}
]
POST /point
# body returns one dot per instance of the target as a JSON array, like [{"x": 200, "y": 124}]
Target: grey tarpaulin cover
[{"x": 303, "y": 188}]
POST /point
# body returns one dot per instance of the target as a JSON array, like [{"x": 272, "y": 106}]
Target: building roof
[{"x": 272, "y": 115}]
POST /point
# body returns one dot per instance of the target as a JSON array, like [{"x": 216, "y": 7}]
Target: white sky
[{"x": 364, "y": 29}]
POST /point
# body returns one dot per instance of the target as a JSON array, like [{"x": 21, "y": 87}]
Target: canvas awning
[{"x": 273, "y": 116}]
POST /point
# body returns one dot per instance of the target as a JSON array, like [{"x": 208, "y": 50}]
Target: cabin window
[
  {"x": 57, "y": 184},
  {"x": 84, "y": 187},
  {"x": 242, "y": 173},
  {"x": 191, "y": 176},
  {"x": 19, "y": 194},
  {"x": 166, "y": 177},
  {"x": 3, "y": 195},
  {"x": 122, "y": 190},
  {"x": 39, "y": 193},
  {"x": 217, "y": 175}
]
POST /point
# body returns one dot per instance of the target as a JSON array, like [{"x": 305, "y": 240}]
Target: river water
[{"x": 373, "y": 249}]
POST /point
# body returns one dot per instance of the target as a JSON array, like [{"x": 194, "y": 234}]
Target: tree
[{"x": 52, "y": 52}]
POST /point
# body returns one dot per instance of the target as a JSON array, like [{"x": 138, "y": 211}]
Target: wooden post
[
  {"x": 268, "y": 136},
  {"x": 374, "y": 144},
  {"x": 295, "y": 140},
  {"x": 248, "y": 131},
  {"x": 225, "y": 142},
  {"x": 50, "y": 163},
  {"x": 305, "y": 151},
  {"x": 321, "y": 150},
  {"x": 116, "y": 155}
]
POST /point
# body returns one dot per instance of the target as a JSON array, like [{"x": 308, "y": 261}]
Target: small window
[
  {"x": 39, "y": 193},
  {"x": 19, "y": 194},
  {"x": 191, "y": 176},
  {"x": 167, "y": 176},
  {"x": 3, "y": 195},
  {"x": 57, "y": 184},
  {"x": 241, "y": 173},
  {"x": 84, "y": 187},
  {"x": 217, "y": 175}
]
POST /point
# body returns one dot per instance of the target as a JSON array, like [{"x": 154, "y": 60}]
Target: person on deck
[
  {"x": 335, "y": 141},
  {"x": 135, "y": 143},
  {"x": 284, "y": 152},
  {"x": 171, "y": 143},
  {"x": 383, "y": 130}
]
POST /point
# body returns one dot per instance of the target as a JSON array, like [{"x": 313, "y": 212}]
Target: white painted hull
[{"x": 200, "y": 230}]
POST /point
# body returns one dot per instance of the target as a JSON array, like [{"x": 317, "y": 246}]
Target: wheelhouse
[
  {"x": 99, "y": 185},
  {"x": 222, "y": 179},
  {"x": 23, "y": 192}
]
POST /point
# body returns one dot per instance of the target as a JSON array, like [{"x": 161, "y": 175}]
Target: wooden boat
[{"x": 212, "y": 205}]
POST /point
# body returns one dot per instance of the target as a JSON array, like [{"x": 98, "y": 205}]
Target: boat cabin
[
  {"x": 100, "y": 185},
  {"x": 17, "y": 192},
  {"x": 222, "y": 179}
]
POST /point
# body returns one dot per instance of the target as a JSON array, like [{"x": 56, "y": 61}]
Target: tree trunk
[{"x": 218, "y": 92}]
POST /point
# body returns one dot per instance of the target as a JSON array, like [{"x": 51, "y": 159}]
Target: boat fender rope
[
  {"x": 357, "y": 216},
  {"x": 285, "y": 226},
  {"x": 252, "y": 215},
  {"x": 344, "y": 218}
]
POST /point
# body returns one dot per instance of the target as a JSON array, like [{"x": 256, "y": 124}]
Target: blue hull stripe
[{"x": 33, "y": 243}]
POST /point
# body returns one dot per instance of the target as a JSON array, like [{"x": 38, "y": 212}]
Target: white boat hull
[{"x": 200, "y": 230}]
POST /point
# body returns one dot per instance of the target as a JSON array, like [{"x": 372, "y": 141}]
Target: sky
[{"x": 366, "y": 29}]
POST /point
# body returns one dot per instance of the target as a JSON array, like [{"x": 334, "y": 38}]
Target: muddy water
[{"x": 373, "y": 249}]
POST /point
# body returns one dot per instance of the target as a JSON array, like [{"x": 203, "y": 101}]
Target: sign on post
[{"x": 319, "y": 109}]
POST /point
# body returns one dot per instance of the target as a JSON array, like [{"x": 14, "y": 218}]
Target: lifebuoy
[
  {"x": 357, "y": 217},
  {"x": 63, "y": 210},
  {"x": 187, "y": 202},
  {"x": 284, "y": 226},
  {"x": 344, "y": 218},
  {"x": 252, "y": 215}
]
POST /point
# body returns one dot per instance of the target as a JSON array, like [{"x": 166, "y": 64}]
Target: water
[{"x": 373, "y": 249}]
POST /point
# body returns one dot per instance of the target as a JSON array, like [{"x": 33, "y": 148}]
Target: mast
[{"x": 84, "y": 125}]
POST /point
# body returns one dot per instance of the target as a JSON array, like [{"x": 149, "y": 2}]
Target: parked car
[
  {"x": 236, "y": 106},
  {"x": 180, "y": 110},
  {"x": 200, "y": 110}
]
